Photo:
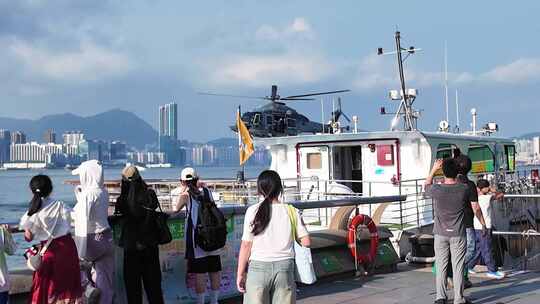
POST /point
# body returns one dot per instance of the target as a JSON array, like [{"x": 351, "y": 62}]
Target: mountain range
[{"x": 110, "y": 125}]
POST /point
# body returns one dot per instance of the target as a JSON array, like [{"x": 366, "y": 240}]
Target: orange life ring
[{"x": 363, "y": 219}]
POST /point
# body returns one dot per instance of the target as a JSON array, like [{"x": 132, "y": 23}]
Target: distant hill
[{"x": 111, "y": 125}]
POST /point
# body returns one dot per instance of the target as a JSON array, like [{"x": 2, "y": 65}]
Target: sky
[{"x": 86, "y": 57}]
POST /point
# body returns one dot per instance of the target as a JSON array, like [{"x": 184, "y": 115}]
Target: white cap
[{"x": 188, "y": 174}]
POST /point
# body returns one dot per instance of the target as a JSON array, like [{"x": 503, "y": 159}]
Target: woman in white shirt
[
  {"x": 58, "y": 278},
  {"x": 93, "y": 235},
  {"x": 268, "y": 248}
]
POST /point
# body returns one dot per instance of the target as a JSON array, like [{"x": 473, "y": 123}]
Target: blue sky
[{"x": 86, "y": 57}]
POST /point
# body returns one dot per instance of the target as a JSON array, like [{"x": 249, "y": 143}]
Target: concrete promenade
[{"x": 417, "y": 285}]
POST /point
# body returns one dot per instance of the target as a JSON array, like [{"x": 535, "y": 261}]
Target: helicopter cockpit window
[{"x": 256, "y": 119}]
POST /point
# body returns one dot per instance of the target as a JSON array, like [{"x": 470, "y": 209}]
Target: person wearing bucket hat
[
  {"x": 199, "y": 262},
  {"x": 93, "y": 235},
  {"x": 139, "y": 238}
]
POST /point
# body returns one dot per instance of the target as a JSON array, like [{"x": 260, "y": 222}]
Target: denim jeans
[
  {"x": 483, "y": 250},
  {"x": 4, "y": 297},
  {"x": 270, "y": 282},
  {"x": 471, "y": 247}
]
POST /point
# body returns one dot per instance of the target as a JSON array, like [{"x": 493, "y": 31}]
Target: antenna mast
[
  {"x": 457, "y": 112},
  {"x": 446, "y": 80},
  {"x": 405, "y": 109}
]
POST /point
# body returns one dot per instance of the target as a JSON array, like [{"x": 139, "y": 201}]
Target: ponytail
[
  {"x": 41, "y": 187},
  {"x": 268, "y": 185}
]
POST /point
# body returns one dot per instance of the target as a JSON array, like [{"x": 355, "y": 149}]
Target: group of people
[
  {"x": 462, "y": 226},
  {"x": 76, "y": 244}
]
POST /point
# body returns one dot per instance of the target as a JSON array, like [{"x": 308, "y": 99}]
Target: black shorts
[{"x": 207, "y": 264}]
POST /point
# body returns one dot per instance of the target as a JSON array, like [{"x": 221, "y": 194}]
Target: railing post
[
  {"x": 400, "y": 208},
  {"x": 417, "y": 207},
  {"x": 369, "y": 183}
]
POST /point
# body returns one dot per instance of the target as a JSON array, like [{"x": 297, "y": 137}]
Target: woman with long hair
[
  {"x": 93, "y": 235},
  {"x": 268, "y": 248},
  {"x": 48, "y": 221},
  {"x": 139, "y": 238}
]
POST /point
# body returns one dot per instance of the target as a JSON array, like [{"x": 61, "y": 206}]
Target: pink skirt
[{"x": 58, "y": 279}]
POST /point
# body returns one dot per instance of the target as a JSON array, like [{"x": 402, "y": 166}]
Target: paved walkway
[
  {"x": 413, "y": 285},
  {"x": 417, "y": 285}
]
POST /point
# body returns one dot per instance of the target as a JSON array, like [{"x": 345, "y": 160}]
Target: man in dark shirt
[
  {"x": 450, "y": 200},
  {"x": 464, "y": 165}
]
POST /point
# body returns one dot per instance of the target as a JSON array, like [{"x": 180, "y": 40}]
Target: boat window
[
  {"x": 447, "y": 150},
  {"x": 314, "y": 161},
  {"x": 482, "y": 159},
  {"x": 510, "y": 152}
]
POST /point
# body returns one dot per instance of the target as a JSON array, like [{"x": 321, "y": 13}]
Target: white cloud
[
  {"x": 294, "y": 59},
  {"x": 87, "y": 63},
  {"x": 298, "y": 28},
  {"x": 376, "y": 72},
  {"x": 258, "y": 71},
  {"x": 519, "y": 71},
  {"x": 300, "y": 25}
]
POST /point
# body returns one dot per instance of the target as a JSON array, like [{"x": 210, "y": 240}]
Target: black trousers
[{"x": 141, "y": 267}]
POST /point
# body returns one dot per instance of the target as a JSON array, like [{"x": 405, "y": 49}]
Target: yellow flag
[{"x": 245, "y": 143}]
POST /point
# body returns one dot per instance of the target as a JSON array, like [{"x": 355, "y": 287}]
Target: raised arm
[
  {"x": 182, "y": 200},
  {"x": 436, "y": 167}
]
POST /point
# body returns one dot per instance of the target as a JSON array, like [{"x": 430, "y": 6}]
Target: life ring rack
[{"x": 369, "y": 257}]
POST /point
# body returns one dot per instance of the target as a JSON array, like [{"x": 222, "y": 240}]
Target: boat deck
[{"x": 417, "y": 285}]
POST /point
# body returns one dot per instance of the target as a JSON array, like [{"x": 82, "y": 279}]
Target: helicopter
[{"x": 276, "y": 119}]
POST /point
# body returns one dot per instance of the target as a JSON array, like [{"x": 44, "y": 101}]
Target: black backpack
[{"x": 211, "y": 228}]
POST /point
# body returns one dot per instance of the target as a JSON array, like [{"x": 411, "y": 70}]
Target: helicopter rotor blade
[
  {"x": 235, "y": 96},
  {"x": 299, "y": 99},
  {"x": 315, "y": 94},
  {"x": 346, "y": 117}
]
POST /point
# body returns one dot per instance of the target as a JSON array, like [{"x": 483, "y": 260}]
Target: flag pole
[{"x": 241, "y": 176}]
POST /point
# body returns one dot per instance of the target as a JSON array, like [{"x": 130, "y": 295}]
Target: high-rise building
[
  {"x": 18, "y": 137},
  {"x": 5, "y": 141},
  {"x": 168, "y": 134},
  {"x": 73, "y": 138},
  {"x": 49, "y": 137},
  {"x": 94, "y": 149},
  {"x": 168, "y": 120},
  {"x": 118, "y": 150}
]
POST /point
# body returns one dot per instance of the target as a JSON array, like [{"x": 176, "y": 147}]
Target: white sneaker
[{"x": 495, "y": 275}]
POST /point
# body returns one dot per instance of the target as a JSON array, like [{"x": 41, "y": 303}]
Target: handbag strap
[
  {"x": 46, "y": 246},
  {"x": 150, "y": 209},
  {"x": 291, "y": 211},
  {"x": 51, "y": 236}
]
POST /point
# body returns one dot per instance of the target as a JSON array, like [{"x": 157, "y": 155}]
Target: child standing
[
  {"x": 7, "y": 245},
  {"x": 483, "y": 241}
]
